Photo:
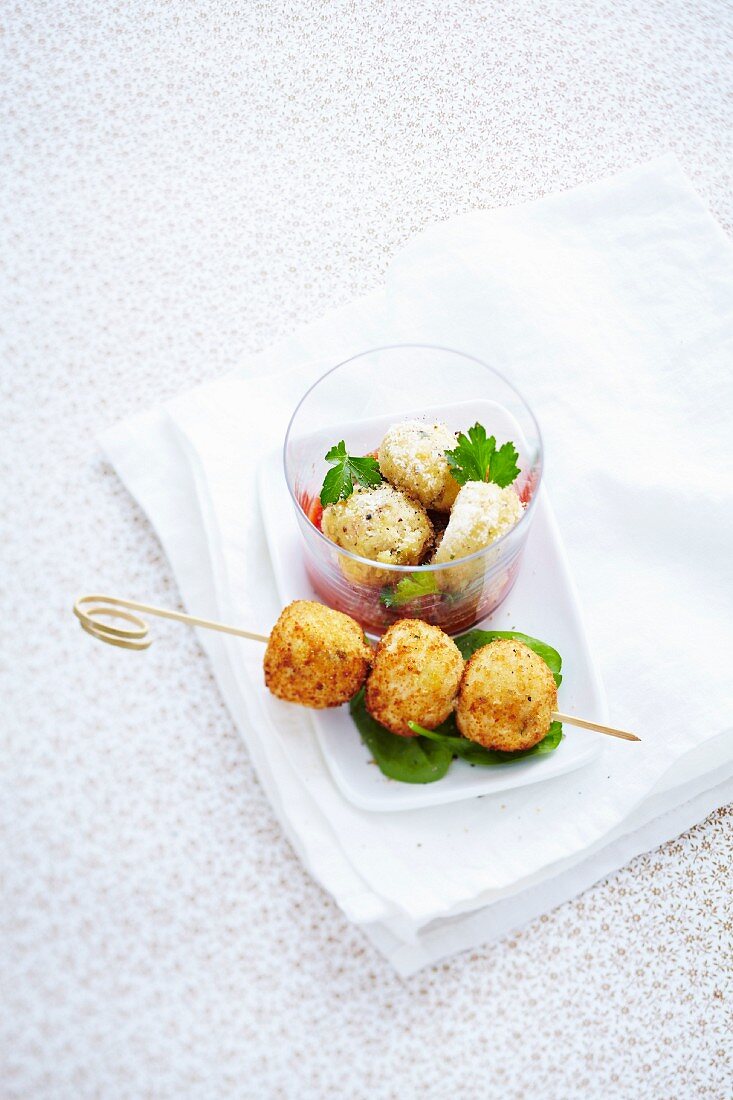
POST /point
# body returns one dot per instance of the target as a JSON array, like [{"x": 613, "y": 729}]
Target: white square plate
[{"x": 543, "y": 603}]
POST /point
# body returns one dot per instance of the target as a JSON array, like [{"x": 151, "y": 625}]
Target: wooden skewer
[
  {"x": 92, "y": 610},
  {"x": 106, "y": 607},
  {"x": 584, "y": 724}
]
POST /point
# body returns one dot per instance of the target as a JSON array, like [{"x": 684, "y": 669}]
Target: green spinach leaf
[
  {"x": 475, "y": 639},
  {"x": 448, "y": 736},
  {"x": 407, "y": 759}
]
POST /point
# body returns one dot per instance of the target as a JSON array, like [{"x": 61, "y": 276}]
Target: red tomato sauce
[{"x": 313, "y": 509}]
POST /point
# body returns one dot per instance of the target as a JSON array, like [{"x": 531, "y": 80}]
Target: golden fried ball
[
  {"x": 315, "y": 656},
  {"x": 381, "y": 524},
  {"x": 507, "y": 697},
  {"x": 412, "y": 457},
  {"x": 415, "y": 677}
]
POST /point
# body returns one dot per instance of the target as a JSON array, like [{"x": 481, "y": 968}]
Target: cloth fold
[{"x": 611, "y": 307}]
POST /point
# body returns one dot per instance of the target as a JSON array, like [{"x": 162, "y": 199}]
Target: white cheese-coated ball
[
  {"x": 412, "y": 458},
  {"x": 381, "y": 524},
  {"x": 482, "y": 513}
]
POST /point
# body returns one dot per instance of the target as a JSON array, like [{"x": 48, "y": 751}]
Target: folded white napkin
[{"x": 610, "y": 306}]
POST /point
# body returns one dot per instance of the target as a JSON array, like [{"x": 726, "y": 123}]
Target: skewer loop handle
[{"x": 92, "y": 611}]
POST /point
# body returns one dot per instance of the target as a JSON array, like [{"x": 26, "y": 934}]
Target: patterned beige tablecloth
[{"x": 183, "y": 184}]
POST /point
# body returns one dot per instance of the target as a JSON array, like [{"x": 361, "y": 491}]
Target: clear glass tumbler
[{"x": 357, "y": 401}]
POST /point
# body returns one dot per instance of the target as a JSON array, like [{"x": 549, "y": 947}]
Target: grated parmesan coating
[
  {"x": 412, "y": 458},
  {"x": 482, "y": 513},
  {"x": 381, "y": 524}
]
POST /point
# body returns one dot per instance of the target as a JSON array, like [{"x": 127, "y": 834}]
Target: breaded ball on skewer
[
  {"x": 381, "y": 524},
  {"x": 415, "y": 676},
  {"x": 506, "y": 698},
  {"x": 315, "y": 656},
  {"x": 412, "y": 457}
]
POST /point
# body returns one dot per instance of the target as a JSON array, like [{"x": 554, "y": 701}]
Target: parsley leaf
[
  {"x": 338, "y": 484},
  {"x": 475, "y": 458},
  {"x": 469, "y": 461},
  {"x": 409, "y": 588},
  {"x": 503, "y": 467}
]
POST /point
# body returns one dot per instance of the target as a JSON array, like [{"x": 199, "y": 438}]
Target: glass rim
[{"x": 402, "y": 570}]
